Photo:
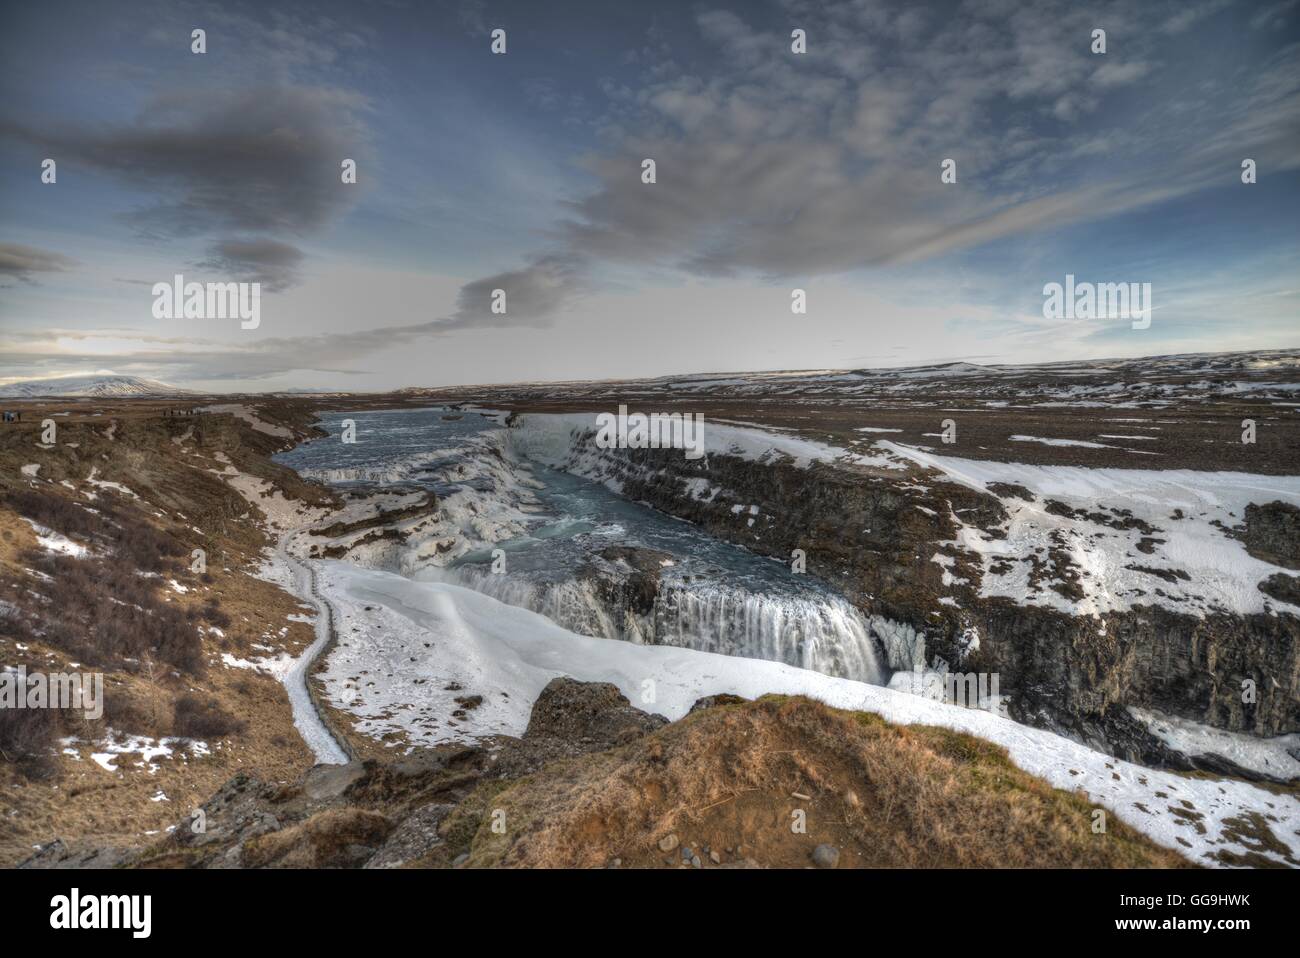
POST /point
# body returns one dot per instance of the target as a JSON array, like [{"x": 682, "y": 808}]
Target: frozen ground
[{"x": 1204, "y": 569}]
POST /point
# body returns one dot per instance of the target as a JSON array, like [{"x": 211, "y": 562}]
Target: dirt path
[{"x": 307, "y": 717}]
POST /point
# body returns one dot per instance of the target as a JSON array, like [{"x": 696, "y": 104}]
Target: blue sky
[{"x": 521, "y": 171}]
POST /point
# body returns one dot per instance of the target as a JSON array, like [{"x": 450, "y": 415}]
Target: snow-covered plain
[
  {"x": 551, "y": 439},
  {"x": 408, "y": 649},
  {"x": 1206, "y": 569}
]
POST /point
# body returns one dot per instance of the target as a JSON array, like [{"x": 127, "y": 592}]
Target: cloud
[
  {"x": 266, "y": 261},
  {"x": 23, "y": 262},
  {"x": 263, "y": 159},
  {"x": 533, "y": 295},
  {"x": 787, "y": 165}
]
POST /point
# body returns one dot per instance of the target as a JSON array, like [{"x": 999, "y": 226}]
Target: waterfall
[{"x": 821, "y": 632}]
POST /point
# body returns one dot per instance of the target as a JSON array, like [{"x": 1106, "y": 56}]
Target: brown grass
[
  {"x": 322, "y": 841},
  {"x": 885, "y": 795},
  {"x": 151, "y": 655}
]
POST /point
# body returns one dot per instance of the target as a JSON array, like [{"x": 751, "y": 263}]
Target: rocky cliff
[{"x": 890, "y": 542}]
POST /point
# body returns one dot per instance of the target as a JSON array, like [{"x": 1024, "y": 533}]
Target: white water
[{"x": 819, "y": 632}]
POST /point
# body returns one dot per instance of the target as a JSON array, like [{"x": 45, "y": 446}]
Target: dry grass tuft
[{"x": 326, "y": 840}]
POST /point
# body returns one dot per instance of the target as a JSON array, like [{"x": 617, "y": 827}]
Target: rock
[
  {"x": 58, "y": 854},
  {"x": 630, "y": 580},
  {"x": 1010, "y": 489},
  {"x": 826, "y": 856},
  {"x": 1273, "y": 533},
  {"x": 1283, "y": 587},
  {"x": 591, "y": 713},
  {"x": 460, "y": 859},
  {"x": 412, "y": 838},
  {"x": 668, "y": 843},
  {"x": 712, "y": 701},
  {"x": 1058, "y": 671},
  {"x": 325, "y": 782},
  {"x": 851, "y": 799},
  {"x": 573, "y": 718},
  {"x": 715, "y": 857}
]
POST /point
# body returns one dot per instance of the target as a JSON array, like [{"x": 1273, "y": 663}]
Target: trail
[{"x": 306, "y": 716}]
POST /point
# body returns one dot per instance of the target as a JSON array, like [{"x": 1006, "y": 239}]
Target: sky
[{"x": 775, "y": 170}]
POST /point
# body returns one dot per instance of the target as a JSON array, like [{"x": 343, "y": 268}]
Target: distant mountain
[{"x": 102, "y": 387}]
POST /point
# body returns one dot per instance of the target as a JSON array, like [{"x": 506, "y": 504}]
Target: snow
[
  {"x": 280, "y": 513},
  {"x": 1061, "y": 442},
  {"x": 101, "y": 484},
  {"x": 31, "y": 469},
  {"x": 394, "y": 661},
  {"x": 249, "y": 415},
  {"x": 1221, "y": 575},
  {"x": 280, "y": 666},
  {"x": 52, "y": 541},
  {"x": 556, "y": 439},
  {"x": 1267, "y": 756},
  {"x": 298, "y": 577},
  {"x": 103, "y": 386},
  {"x": 116, "y": 745}
]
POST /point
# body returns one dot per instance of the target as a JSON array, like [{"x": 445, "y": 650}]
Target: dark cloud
[
  {"x": 533, "y": 295},
  {"x": 23, "y": 262},
  {"x": 261, "y": 160},
  {"x": 266, "y": 261}
]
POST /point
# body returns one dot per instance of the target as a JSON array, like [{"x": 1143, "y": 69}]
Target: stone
[
  {"x": 826, "y": 856},
  {"x": 412, "y": 838},
  {"x": 330, "y": 781}
]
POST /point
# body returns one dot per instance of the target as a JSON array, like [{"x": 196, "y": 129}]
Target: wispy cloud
[
  {"x": 269, "y": 262},
  {"x": 24, "y": 262}
]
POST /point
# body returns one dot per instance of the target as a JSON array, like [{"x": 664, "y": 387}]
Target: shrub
[
  {"x": 27, "y": 740},
  {"x": 127, "y": 534},
  {"x": 104, "y": 614},
  {"x": 213, "y": 614},
  {"x": 196, "y": 717}
]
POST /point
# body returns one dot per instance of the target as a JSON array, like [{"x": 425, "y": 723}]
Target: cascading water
[
  {"x": 814, "y": 631},
  {"x": 822, "y": 633},
  {"x": 558, "y": 547}
]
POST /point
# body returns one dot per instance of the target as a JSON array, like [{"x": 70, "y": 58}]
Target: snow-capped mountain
[{"x": 105, "y": 386}]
